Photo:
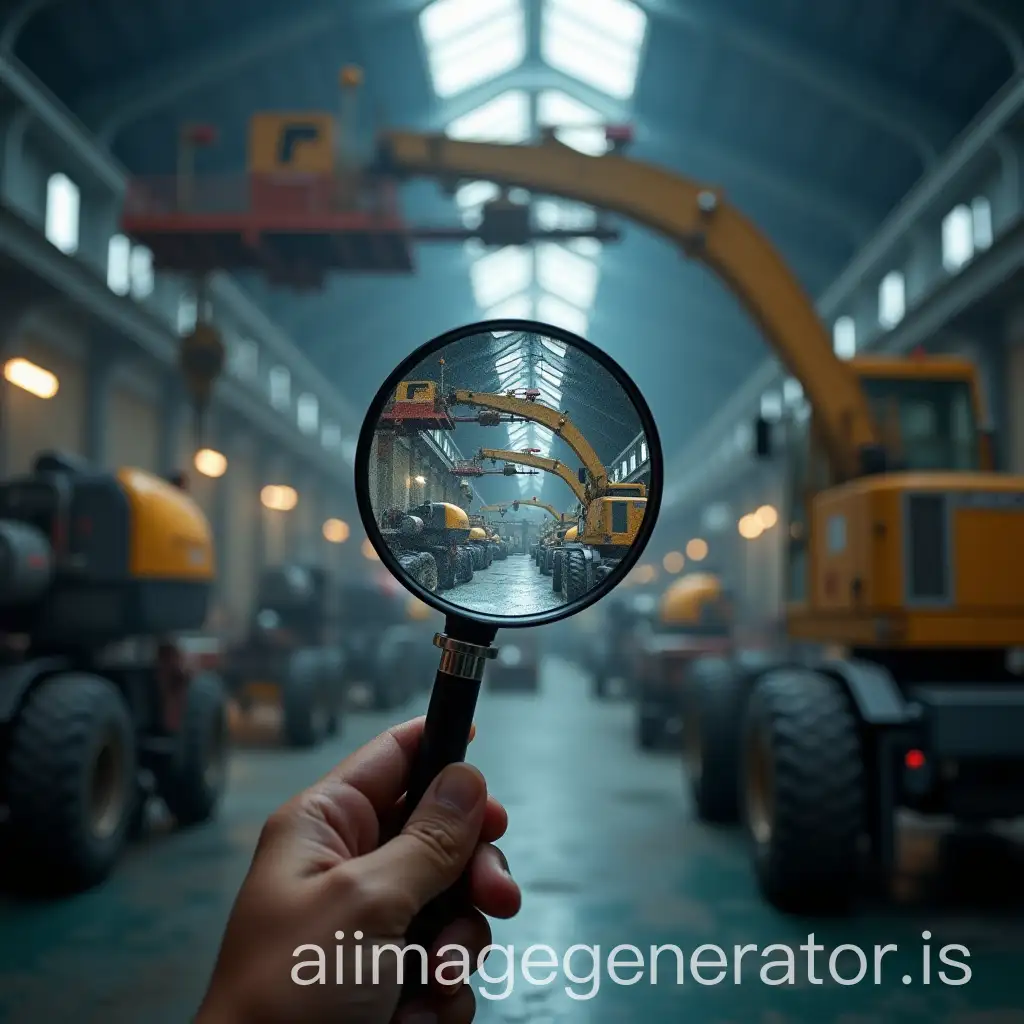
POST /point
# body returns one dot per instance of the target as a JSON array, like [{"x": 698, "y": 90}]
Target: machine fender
[
  {"x": 17, "y": 680},
  {"x": 872, "y": 689}
]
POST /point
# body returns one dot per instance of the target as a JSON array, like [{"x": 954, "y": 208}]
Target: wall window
[
  {"x": 957, "y": 238},
  {"x": 643, "y": 451},
  {"x": 119, "y": 252},
  {"x": 892, "y": 299},
  {"x": 280, "y": 387},
  {"x": 981, "y": 221},
  {"x": 771, "y": 405},
  {"x": 244, "y": 359},
  {"x": 187, "y": 311},
  {"x": 308, "y": 413},
  {"x": 140, "y": 272},
  {"x": 844, "y": 337},
  {"x": 63, "y": 208},
  {"x": 624, "y": 468}
]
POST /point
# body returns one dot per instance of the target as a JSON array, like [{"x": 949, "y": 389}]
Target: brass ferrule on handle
[{"x": 463, "y": 660}]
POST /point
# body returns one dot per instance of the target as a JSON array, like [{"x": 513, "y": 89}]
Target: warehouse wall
[{"x": 249, "y": 536}]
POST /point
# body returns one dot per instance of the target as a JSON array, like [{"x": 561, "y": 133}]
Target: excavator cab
[{"x": 417, "y": 405}]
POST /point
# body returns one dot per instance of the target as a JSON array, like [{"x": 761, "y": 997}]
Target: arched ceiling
[{"x": 815, "y": 117}]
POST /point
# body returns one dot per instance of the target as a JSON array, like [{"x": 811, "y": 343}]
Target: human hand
[{"x": 320, "y": 869}]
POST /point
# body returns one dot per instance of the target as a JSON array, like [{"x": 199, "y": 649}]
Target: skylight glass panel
[
  {"x": 509, "y": 361},
  {"x": 566, "y": 274},
  {"x": 577, "y": 125},
  {"x": 519, "y": 307},
  {"x": 554, "y": 310},
  {"x": 553, "y": 395},
  {"x": 549, "y": 374},
  {"x": 501, "y": 275},
  {"x": 554, "y": 346},
  {"x": 589, "y": 247},
  {"x": 506, "y": 118},
  {"x": 472, "y": 41},
  {"x": 598, "y": 42}
]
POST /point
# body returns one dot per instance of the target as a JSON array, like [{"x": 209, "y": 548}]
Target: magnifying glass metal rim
[{"x": 364, "y": 447}]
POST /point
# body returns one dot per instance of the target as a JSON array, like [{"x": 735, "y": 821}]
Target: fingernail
[
  {"x": 503, "y": 861},
  {"x": 460, "y": 788}
]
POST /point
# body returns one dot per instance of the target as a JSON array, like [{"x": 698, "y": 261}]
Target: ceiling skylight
[
  {"x": 566, "y": 274},
  {"x": 500, "y": 275},
  {"x": 554, "y": 310},
  {"x": 506, "y": 118},
  {"x": 577, "y": 124},
  {"x": 598, "y": 42},
  {"x": 469, "y": 42}
]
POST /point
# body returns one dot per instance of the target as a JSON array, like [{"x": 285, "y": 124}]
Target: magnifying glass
[{"x": 529, "y": 395}]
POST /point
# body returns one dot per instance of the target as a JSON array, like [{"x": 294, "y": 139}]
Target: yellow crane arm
[
  {"x": 557, "y": 422},
  {"x": 559, "y": 469},
  {"x": 692, "y": 216},
  {"x": 521, "y": 501}
]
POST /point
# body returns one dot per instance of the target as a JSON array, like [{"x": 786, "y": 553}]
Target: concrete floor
[
  {"x": 512, "y": 587},
  {"x": 602, "y": 841}
]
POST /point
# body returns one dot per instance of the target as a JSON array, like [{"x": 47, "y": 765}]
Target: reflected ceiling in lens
[{"x": 509, "y": 474}]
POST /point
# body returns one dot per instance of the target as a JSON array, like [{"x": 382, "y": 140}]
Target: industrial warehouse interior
[{"x": 613, "y": 407}]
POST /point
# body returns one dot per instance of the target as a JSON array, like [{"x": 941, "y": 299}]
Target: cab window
[{"x": 926, "y": 424}]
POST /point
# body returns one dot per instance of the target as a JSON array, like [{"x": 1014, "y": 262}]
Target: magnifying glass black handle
[{"x": 446, "y": 734}]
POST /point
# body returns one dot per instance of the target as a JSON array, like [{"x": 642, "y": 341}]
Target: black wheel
[
  {"x": 420, "y": 565},
  {"x": 445, "y": 569},
  {"x": 72, "y": 781},
  {"x": 306, "y": 702},
  {"x": 803, "y": 790},
  {"x": 549, "y": 562},
  {"x": 193, "y": 780},
  {"x": 577, "y": 576},
  {"x": 712, "y": 721},
  {"x": 464, "y": 566},
  {"x": 557, "y": 561}
]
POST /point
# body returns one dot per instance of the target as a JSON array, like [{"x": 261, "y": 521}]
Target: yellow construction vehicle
[
  {"x": 906, "y": 550},
  {"x": 430, "y": 543},
  {"x": 524, "y": 545},
  {"x": 105, "y": 580},
  {"x": 612, "y": 512},
  {"x": 693, "y": 620}
]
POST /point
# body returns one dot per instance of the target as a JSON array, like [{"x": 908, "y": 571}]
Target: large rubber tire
[
  {"x": 463, "y": 566},
  {"x": 445, "y": 569},
  {"x": 193, "y": 781},
  {"x": 421, "y": 567},
  {"x": 577, "y": 577},
  {"x": 305, "y": 702},
  {"x": 557, "y": 562},
  {"x": 72, "y": 782},
  {"x": 806, "y": 832},
  {"x": 549, "y": 562},
  {"x": 712, "y": 723}
]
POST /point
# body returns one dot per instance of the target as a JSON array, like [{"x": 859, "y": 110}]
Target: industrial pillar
[
  {"x": 99, "y": 377},
  {"x": 173, "y": 423}
]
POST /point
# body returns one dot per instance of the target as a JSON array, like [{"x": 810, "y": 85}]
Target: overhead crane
[
  {"x": 545, "y": 465},
  {"x": 906, "y": 554},
  {"x": 906, "y": 551}
]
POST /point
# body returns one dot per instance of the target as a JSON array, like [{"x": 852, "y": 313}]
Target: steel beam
[
  {"x": 1003, "y": 19},
  {"x": 66, "y": 276},
  {"x": 16, "y": 23},
  {"x": 916, "y": 123},
  {"x": 839, "y": 211},
  {"x": 124, "y": 102}
]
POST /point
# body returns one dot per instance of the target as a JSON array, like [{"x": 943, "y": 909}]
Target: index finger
[{"x": 380, "y": 769}]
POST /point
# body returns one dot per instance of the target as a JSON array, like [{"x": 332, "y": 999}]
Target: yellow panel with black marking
[
  {"x": 171, "y": 538},
  {"x": 301, "y": 143}
]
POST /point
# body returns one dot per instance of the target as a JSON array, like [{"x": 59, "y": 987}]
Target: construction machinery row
[
  {"x": 894, "y": 686},
  {"x": 905, "y": 553}
]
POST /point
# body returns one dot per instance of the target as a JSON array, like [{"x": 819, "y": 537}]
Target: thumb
[{"x": 433, "y": 849}]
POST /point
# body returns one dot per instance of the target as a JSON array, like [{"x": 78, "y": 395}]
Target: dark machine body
[
  {"x": 292, "y": 656},
  {"x": 107, "y": 688}
]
